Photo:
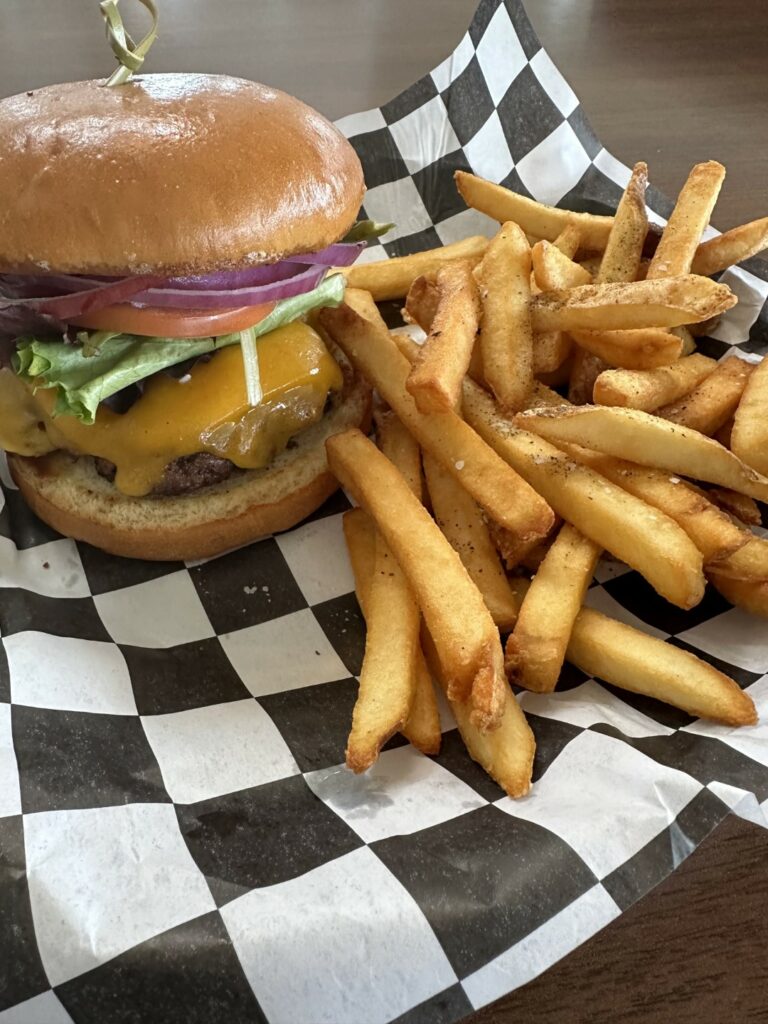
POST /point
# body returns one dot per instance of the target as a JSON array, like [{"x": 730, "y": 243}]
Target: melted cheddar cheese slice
[{"x": 208, "y": 412}]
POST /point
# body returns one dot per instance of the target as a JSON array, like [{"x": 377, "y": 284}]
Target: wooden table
[{"x": 670, "y": 83}]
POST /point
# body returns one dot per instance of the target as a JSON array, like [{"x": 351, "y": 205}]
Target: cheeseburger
[{"x": 161, "y": 243}]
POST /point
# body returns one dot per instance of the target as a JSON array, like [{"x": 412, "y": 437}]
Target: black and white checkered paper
[{"x": 179, "y": 839}]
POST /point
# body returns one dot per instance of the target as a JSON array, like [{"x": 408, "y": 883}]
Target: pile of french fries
[{"x": 557, "y": 410}]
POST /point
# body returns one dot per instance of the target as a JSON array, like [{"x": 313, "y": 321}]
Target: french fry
[
  {"x": 723, "y": 434},
  {"x": 459, "y": 518},
  {"x": 649, "y": 389},
  {"x": 688, "y": 340},
  {"x": 665, "y": 303},
  {"x": 435, "y": 378},
  {"x": 620, "y": 262},
  {"x": 421, "y": 303},
  {"x": 631, "y": 660},
  {"x": 422, "y": 727},
  {"x": 391, "y": 279},
  {"x": 592, "y": 264},
  {"x": 422, "y": 730},
  {"x": 742, "y": 579},
  {"x": 534, "y": 218},
  {"x": 732, "y": 247},
  {"x": 400, "y": 448},
  {"x": 535, "y": 651},
  {"x": 515, "y": 547},
  {"x": 631, "y": 530},
  {"x": 632, "y": 350},
  {"x": 362, "y": 335},
  {"x": 550, "y": 350},
  {"x": 749, "y": 438},
  {"x": 465, "y": 635},
  {"x": 710, "y": 529},
  {"x": 510, "y": 553},
  {"x": 387, "y": 677},
  {"x": 569, "y": 240},
  {"x": 554, "y": 271},
  {"x": 560, "y": 377},
  {"x": 507, "y": 752},
  {"x": 709, "y": 406},
  {"x": 680, "y": 238},
  {"x": 738, "y": 505},
  {"x": 506, "y": 337},
  {"x": 360, "y": 538},
  {"x": 648, "y": 440},
  {"x": 586, "y": 367},
  {"x": 624, "y": 249}
]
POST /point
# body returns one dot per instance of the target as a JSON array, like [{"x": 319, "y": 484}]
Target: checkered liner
[{"x": 178, "y": 838}]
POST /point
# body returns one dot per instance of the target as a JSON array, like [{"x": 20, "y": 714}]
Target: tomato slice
[{"x": 158, "y": 322}]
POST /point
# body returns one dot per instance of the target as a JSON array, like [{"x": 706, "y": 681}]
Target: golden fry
[
  {"x": 506, "y": 337},
  {"x": 554, "y": 271},
  {"x": 362, "y": 335},
  {"x": 631, "y": 350},
  {"x": 360, "y": 537},
  {"x": 460, "y": 519},
  {"x": 569, "y": 240},
  {"x": 422, "y": 727},
  {"x": 723, "y": 434},
  {"x": 400, "y": 448},
  {"x": 535, "y": 651},
  {"x": 536, "y": 219},
  {"x": 742, "y": 579},
  {"x": 435, "y": 378},
  {"x": 621, "y": 259},
  {"x": 648, "y": 440},
  {"x": 711, "y": 530},
  {"x": 607, "y": 307},
  {"x": 631, "y": 530},
  {"x": 507, "y": 752},
  {"x": 421, "y": 303},
  {"x": 749, "y": 437},
  {"x": 586, "y": 367},
  {"x": 627, "y": 658},
  {"x": 732, "y": 247},
  {"x": 550, "y": 351},
  {"x": 391, "y": 279},
  {"x": 680, "y": 238},
  {"x": 464, "y": 632},
  {"x": 739, "y": 505},
  {"x": 649, "y": 389},
  {"x": 387, "y": 677},
  {"x": 710, "y": 405}
]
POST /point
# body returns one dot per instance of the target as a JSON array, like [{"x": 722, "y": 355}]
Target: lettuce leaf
[{"x": 85, "y": 377}]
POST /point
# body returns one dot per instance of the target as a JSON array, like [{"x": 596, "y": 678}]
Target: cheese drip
[{"x": 208, "y": 413}]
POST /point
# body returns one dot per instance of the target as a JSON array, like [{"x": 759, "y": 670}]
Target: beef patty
[{"x": 184, "y": 475}]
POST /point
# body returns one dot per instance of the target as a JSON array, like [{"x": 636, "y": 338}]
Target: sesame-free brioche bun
[
  {"x": 171, "y": 174},
  {"x": 68, "y": 494}
]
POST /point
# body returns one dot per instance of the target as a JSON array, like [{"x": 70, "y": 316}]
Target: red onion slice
[
  {"x": 65, "y": 307},
  {"x": 222, "y": 280},
  {"x": 340, "y": 254},
  {"x": 225, "y": 298},
  {"x": 67, "y": 296}
]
